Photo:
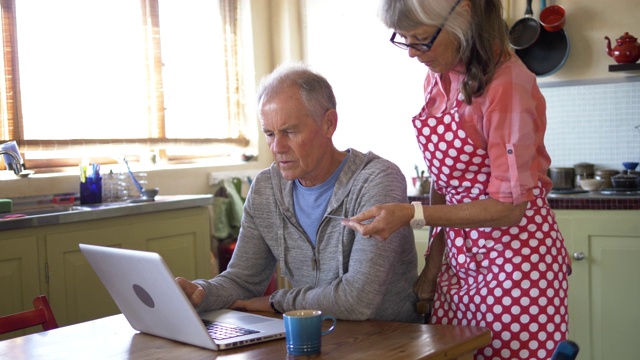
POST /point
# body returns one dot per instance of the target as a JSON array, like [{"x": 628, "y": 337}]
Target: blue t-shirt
[{"x": 310, "y": 203}]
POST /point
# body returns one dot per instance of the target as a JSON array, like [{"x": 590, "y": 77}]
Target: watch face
[{"x": 417, "y": 223}]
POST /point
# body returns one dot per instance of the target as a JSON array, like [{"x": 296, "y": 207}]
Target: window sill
[{"x": 172, "y": 179}]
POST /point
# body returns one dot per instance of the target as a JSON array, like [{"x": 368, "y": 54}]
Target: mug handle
[{"x": 333, "y": 326}]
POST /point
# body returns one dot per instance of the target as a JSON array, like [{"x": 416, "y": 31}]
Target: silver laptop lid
[{"x": 145, "y": 291}]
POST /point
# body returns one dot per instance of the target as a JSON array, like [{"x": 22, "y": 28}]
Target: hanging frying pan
[
  {"x": 525, "y": 31},
  {"x": 548, "y": 54}
]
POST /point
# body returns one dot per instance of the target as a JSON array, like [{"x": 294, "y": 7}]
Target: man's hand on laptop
[
  {"x": 194, "y": 292},
  {"x": 256, "y": 304}
]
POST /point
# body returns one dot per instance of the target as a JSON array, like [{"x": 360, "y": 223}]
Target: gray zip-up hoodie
[{"x": 345, "y": 274}]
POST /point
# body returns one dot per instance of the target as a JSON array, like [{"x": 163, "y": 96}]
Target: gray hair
[
  {"x": 404, "y": 15},
  {"x": 315, "y": 90},
  {"x": 482, "y": 36}
]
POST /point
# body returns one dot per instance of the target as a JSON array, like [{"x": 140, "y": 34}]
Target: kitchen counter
[
  {"x": 63, "y": 214},
  {"x": 582, "y": 201},
  {"x": 594, "y": 200}
]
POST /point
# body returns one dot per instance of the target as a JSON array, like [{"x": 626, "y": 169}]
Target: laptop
[{"x": 146, "y": 292}]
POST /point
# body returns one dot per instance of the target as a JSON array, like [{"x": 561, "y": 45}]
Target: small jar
[
  {"x": 584, "y": 168},
  {"x": 583, "y": 171}
]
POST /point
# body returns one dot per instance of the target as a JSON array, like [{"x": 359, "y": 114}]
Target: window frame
[{"x": 11, "y": 126}]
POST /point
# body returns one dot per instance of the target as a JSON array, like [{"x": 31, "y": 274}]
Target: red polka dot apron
[{"x": 511, "y": 280}]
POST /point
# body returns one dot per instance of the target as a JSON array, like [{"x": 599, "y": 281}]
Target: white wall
[{"x": 378, "y": 87}]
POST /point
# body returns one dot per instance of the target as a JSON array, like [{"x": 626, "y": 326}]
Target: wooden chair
[
  {"x": 40, "y": 315},
  {"x": 566, "y": 350}
]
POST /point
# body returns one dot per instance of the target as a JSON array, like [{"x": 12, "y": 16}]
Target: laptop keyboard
[{"x": 222, "y": 331}]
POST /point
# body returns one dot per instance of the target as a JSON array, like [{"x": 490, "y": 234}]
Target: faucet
[{"x": 17, "y": 166}]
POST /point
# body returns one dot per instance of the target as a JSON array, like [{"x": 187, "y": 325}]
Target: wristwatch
[{"x": 418, "y": 221}]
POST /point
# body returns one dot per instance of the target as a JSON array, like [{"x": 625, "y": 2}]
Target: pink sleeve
[{"x": 511, "y": 119}]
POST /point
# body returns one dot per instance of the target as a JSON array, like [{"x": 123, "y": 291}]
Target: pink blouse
[{"x": 508, "y": 121}]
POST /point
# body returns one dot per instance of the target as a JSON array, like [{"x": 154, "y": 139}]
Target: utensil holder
[{"x": 91, "y": 191}]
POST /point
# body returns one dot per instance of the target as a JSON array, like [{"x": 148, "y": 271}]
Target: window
[{"x": 101, "y": 78}]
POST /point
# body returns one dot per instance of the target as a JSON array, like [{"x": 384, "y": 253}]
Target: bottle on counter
[{"x": 110, "y": 187}]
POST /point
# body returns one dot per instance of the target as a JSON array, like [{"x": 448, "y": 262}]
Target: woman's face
[{"x": 443, "y": 54}]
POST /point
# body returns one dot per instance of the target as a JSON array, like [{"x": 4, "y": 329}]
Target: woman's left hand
[{"x": 387, "y": 219}]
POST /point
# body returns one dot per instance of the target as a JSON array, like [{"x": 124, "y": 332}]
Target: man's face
[{"x": 297, "y": 141}]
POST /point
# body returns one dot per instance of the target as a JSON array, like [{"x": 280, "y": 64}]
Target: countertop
[
  {"x": 68, "y": 214},
  {"x": 593, "y": 200}
]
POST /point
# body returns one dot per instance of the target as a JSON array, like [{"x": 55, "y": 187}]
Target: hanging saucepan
[
  {"x": 525, "y": 31},
  {"x": 548, "y": 54},
  {"x": 552, "y": 17}
]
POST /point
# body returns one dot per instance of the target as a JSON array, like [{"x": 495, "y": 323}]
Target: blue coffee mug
[{"x": 303, "y": 330}]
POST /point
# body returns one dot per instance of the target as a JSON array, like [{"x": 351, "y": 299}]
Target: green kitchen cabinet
[
  {"x": 18, "y": 274},
  {"x": 59, "y": 270},
  {"x": 604, "y": 288}
]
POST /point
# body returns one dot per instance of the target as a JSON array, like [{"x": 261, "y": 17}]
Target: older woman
[{"x": 481, "y": 131}]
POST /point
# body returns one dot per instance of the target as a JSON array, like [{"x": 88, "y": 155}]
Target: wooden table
[{"x": 113, "y": 338}]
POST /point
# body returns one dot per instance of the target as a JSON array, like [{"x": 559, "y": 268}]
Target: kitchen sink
[
  {"x": 59, "y": 209},
  {"x": 55, "y": 214},
  {"x": 113, "y": 204},
  {"x": 40, "y": 211}
]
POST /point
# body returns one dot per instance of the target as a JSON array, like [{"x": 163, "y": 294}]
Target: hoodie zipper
[{"x": 314, "y": 262}]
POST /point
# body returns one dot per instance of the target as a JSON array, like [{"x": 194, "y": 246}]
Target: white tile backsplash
[{"x": 593, "y": 123}]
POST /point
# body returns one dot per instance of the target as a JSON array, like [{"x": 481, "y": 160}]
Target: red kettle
[{"x": 626, "y": 51}]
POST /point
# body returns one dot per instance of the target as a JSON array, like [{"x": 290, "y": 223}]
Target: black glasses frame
[{"x": 424, "y": 47}]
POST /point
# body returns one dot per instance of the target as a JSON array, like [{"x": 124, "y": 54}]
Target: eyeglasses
[{"x": 426, "y": 46}]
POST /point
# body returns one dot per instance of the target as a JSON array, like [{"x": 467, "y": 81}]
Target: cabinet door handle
[{"x": 579, "y": 255}]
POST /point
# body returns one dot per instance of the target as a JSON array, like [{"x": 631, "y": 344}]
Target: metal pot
[
  {"x": 562, "y": 178},
  {"x": 552, "y": 18},
  {"x": 626, "y": 180}
]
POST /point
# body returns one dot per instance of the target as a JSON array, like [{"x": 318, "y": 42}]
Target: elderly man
[{"x": 330, "y": 267}]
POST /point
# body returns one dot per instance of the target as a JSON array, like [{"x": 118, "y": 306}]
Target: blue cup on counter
[
  {"x": 90, "y": 184},
  {"x": 91, "y": 190},
  {"x": 303, "y": 330}
]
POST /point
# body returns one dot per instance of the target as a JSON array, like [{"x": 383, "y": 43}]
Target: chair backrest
[
  {"x": 40, "y": 315},
  {"x": 566, "y": 350}
]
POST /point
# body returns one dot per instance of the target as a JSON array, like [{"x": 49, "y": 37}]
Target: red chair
[{"x": 40, "y": 315}]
